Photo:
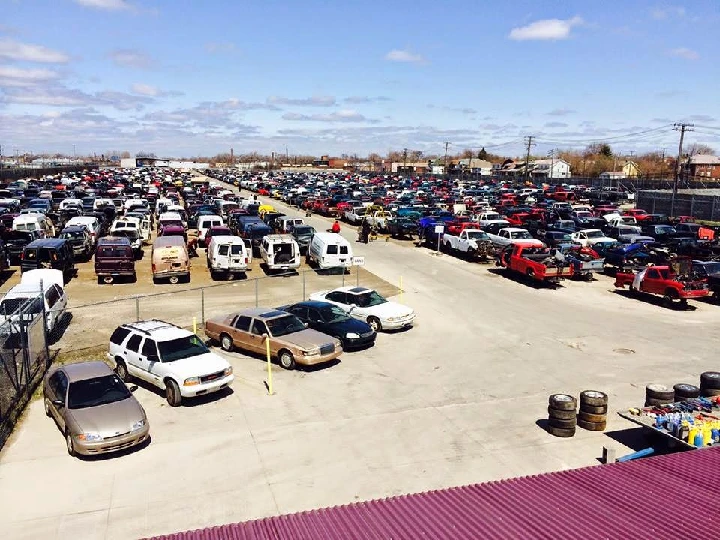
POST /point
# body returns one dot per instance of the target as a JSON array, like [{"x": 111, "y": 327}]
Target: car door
[
  {"x": 653, "y": 282},
  {"x": 151, "y": 362},
  {"x": 131, "y": 353},
  {"x": 256, "y": 341},
  {"x": 240, "y": 332},
  {"x": 55, "y": 385}
]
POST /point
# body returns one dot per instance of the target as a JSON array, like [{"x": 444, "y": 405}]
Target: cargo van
[
  {"x": 170, "y": 259},
  {"x": 204, "y": 223},
  {"x": 47, "y": 282},
  {"x": 227, "y": 256},
  {"x": 48, "y": 253},
  {"x": 280, "y": 252},
  {"x": 114, "y": 258},
  {"x": 329, "y": 250},
  {"x": 32, "y": 222}
]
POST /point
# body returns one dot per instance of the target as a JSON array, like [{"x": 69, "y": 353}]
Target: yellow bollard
[
  {"x": 269, "y": 364},
  {"x": 195, "y": 325}
]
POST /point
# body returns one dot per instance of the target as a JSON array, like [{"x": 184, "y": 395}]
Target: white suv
[{"x": 169, "y": 357}]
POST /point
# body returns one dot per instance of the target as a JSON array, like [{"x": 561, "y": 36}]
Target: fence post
[
  {"x": 256, "y": 292},
  {"x": 692, "y": 205},
  {"x": 303, "y": 275},
  {"x": 137, "y": 308},
  {"x": 357, "y": 275},
  {"x": 202, "y": 305},
  {"x": 712, "y": 210},
  {"x": 343, "y": 278}
]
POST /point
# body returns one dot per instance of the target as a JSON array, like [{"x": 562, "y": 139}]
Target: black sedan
[{"x": 333, "y": 321}]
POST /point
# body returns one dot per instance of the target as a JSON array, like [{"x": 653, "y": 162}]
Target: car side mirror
[
  {"x": 133, "y": 387},
  {"x": 153, "y": 358},
  {"x": 58, "y": 402}
]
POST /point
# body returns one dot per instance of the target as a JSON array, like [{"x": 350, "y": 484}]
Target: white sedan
[
  {"x": 589, "y": 237},
  {"x": 367, "y": 305}
]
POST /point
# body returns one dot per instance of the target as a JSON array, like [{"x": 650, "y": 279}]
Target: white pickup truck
[
  {"x": 470, "y": 241},
  {"x": 379, "y": 219},
  {"x": 515, "y": 236},
  {"x": 355, "y": 214},
  {"x": 589, "y": 237},
  {"x": 486, "y": 218}
]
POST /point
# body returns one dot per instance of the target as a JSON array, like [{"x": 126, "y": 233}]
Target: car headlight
[
  {"x": 89, "y": 437},
  {"x": 191, "y": 381},
  {"x": 312, "y": 352},
  {"x": 139, "y": 425},
  {"x": 352, "y": 335},
  {"x": 228, "y": 372}
]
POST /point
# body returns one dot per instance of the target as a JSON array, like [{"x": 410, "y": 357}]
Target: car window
[
  {"x": 343, "y": 250},
  {"x": 332, "y": 249},
  {"x": 243, "y": 323},
  {"x": 304, "y": 313},
  {"x": 62, "y": 385},
  {"x": 119, "y": 335},
  {"x": 133, "y": 343},
  {"x": 54, "y": 381},
  {"x": 652, "y": 274},
  {"x": 224, "y": 249},
  {"x": 149, "y": 348},
  {"x": 259, "y": 328},
  {"x": 336, "y": 296},
  {"x": 51, "y": 296}
]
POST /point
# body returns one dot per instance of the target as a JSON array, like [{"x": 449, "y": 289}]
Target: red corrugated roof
[{"x": 672, "y": 496}]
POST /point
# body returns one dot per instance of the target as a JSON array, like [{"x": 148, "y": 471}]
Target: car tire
[
  {"x": 226, "y": 343},
  {"x": 593, "y": 410},
  {"x": 563, "y": 424},
  {"x": 172, "y": 393},
  {"x": 563, "y": 402},
  {"x": 659, "y": 392},
  {"x": 286, "y": 360},
  {"x": 46, "y": 404},
  {"x": 710, "y": 379},
  {"x": 69, "y": 444},
  {"x": 592, "y": 426},
  {"x": 685, "y": 391},
  {"x": 375, "y": 324},
  {"x": 561, "y": 432},
  {"x": 107, "y": 280},
  {"x": 593, "y": 398},
  {"x": 121, "y": 370},
  {"x": 559, "y": 414},
  {"x": 174, "y": 279}
]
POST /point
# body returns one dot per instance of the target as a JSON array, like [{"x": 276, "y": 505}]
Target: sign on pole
[
  {"x": 358, "y": 261},
  {"x": 439, "y": 230}
]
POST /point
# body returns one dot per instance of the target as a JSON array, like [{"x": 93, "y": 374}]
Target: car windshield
[
  {"x": 594, "y": 234},
  {"x": 477, "y": 235},
  {"x": 664, "y": 229},
  {"x": 283, "y": 326},
  {"x": 71, "y": 235},
  {"x": 334, "y": 315},
  {"x": 584, "y": 214},
  {"x": 304, "y": 231},
  {"x": 96, "y": 391},
  {"x": 369, "y": 299},
  {"x": 184, "y": 347},
  {"x": 521, "y": 235}
]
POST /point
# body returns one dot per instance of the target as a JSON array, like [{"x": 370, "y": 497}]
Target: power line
[
  {"x": 682, "y": 128},
  {"x": 646, "y": 132}
]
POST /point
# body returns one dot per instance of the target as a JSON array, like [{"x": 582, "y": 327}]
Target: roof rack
[{"x": 158, "y": 325}]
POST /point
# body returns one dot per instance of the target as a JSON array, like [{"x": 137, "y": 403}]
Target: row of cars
[{"x": 97, "y": 413}]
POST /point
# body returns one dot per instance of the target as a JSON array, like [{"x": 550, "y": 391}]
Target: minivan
[
  {"x": 329, "y": 250},
  {"x": 114, "y": 258},
  {"x": 32, "y": 222},
  {"x": 53, "y": 253},
  {"x": 170, "y": 259}
]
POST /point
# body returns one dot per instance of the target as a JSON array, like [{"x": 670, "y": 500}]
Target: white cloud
[
  {"x": 667, "y": 12},
  {"x": 397, "y": 55},
  {"x": 561, "y": 112},
  {"x": 684, "y": 52},
  {"x": 339, "y": 116},
  {"x": 145, "y": 89},
  {"x": 15, "y": 76},
  {"x": 110, "y": 5},
  {"x": 547, "y": 29},
  {"x": 15, "y": 50},
  {"x": 131, "y": 58},
  {"x": 314, "y": 101},
  {"x": 366, "y": 99}
]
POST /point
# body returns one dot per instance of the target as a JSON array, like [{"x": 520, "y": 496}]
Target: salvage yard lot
[{"x": 455, "y": 400}]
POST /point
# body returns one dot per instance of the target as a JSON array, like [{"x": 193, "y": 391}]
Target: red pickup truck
[
  {"x": 666, "y": 281},
  {"x": 536, "y": 263}
]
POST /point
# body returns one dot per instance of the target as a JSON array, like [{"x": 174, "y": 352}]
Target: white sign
[
  {"x": 439, "y": 229},
  {"x": 358, "y": 261}
]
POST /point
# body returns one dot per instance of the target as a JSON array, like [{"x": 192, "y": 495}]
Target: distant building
[
  {"x": 419, "y": 167},
  {"x": 704, "y": 166},
  {"x": 476, "y": 166},
  {"x": 612, "y": 175},
  {"x": 550, "y": 168},
  {"x": 631, "y": 169}
]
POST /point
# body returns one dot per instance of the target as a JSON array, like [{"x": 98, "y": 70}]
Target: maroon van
[{"x": 114, "y": 258}]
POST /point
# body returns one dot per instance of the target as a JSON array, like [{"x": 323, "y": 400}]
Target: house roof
[
  {"x": 704, "y": 159},
  {"x": 621, "y": 500}
]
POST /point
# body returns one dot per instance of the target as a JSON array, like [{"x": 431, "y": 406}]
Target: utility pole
[
  {"x": 447, "y": 143},
  {"x": 551, "y": 154},
  {"x": 405, "y": 151},
  {"x": 529, "y": 141},
  {"x": 662, "y": 167},
  {"x": 682, "y": 128}
]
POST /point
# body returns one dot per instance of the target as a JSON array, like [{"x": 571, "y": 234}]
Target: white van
[
  {"x": 329, "y": 250},
  {"x": 32, "y": 222},
  {"x": 228, "y": 256},
  {"x": 287, "y": 224},
  {"x": 91, "y": 223},
  {"x": 280, "y": 252},
  {"x": 204, "y": 224},
  {"x": 29, "y": 288},
  {"x": 70, "y": 203}
]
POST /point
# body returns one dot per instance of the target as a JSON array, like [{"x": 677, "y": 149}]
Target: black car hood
[{"x": 344, "y": 327}]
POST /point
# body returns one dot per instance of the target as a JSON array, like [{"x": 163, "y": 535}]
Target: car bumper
[
  {"x": 405, "y": 322},
  {"x": 112, "y": 444},
  {"x": 358, "y": 343},
  {"x": 311, "y": 360},
  {"x": 699, "y": 293},
  {"x": 206, "y": 388}
]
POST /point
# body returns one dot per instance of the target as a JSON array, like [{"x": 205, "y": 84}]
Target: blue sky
[{"x": 190, "y": 78}]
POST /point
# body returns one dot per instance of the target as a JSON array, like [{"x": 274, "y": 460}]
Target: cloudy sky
[{"x": 184, "y": 77}]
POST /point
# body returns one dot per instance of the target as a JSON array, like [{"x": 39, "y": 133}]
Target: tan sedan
[
  {"x": 93, "y": 408},
  {"x": 291, "y": 342}
]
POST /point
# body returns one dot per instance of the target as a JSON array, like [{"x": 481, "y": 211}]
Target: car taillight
[{"x": 153, "y": 268}]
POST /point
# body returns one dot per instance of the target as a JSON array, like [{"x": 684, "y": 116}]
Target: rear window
[
  {"x": 114, "y": 252},
  {"x": 332, "y": 250},
  {"x": 119, "y": 335},
  {"x": 343, "y": 250},
  {"x": 236, "y": 249}
]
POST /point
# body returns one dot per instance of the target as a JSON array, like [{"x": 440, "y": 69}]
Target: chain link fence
[
  {"x": 698, "y": 204},
  {"x": 92, "y": 324},
  {"x": 24, "y": 359}
]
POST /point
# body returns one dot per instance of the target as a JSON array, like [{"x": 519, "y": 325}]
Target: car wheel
[
  {"x": 46, "y": 403},
  {"x": 121, "y": 371},
  {"x": 174, "y": 279},
  {"x": 108, "y": 280},
  {"x": 226, "y": 343},
  {"x": 69, "y": 444},
  {"x": 172, "y": 393},
  {"x": 286, "y": 360},
  {"x": 374, "y": 323}
]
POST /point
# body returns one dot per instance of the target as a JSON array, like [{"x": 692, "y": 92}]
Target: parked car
[
  {"x": 329, "y": 250},
  {"x": 15, "y": 242},
  {"x": 48, "y": 253},
  {"x": 168, "y": 357},
  {"x": 170, "y": 259},
  {"x": 369, "y": 306},
  {"x": 114, "y": 258},
  {"x": 589, "y": 237},
  {"x": 303, "y": 235},
  {"x": 291, "y": 343},
  {"x": 333, "y": 321},
  {"x": 79, "y": 239},
  {"x": 93, "y": 409},
  {"x": 280, "y": 252},
  {"x": 228, "y": 256},
  {"x": 43, "y": 284}
]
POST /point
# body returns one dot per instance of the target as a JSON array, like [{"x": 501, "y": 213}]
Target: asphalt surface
[{"x": 458, "y": 399}]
